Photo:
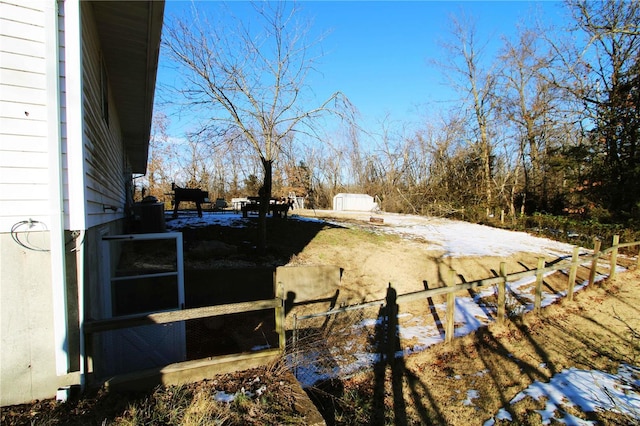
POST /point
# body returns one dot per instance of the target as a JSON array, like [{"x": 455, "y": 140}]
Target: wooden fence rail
[
  {"x": 128, "y": 321},
  {"x": 539, "y": 274},
  {"x": 449, "y": 289},
  {"x": 180, "y": 370}
]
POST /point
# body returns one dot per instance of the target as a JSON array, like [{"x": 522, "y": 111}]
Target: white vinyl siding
[
  {"x": 23, "y": 114},
  {"x": 62, "y": 115},
  {"x": 104, "y": 153},
  {"x": 24, "y": 145}
]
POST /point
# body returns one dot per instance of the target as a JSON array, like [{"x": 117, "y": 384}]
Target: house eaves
[{"x": 129, "y": 33}]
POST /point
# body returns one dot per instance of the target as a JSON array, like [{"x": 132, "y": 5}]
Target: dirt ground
[
  {"x": 371, "y": 262},
  {"x": 598, "y": 330}
]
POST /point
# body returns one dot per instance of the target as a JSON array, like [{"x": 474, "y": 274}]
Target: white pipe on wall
[
  {"x": 56, "y": 193},
  {"x": 73, "y": 104}
]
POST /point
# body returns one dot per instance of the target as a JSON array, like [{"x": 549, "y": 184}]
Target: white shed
[{"x": 354, "y": 202}]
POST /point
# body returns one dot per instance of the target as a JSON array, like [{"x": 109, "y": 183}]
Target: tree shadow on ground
[
  {"x": 434, "y": 312},
  {"x": 285, "y": 238}
]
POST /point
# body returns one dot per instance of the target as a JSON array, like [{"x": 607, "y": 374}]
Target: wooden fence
[
  {"x": 176, "y": 373},
  {"x": 449, "y": 289},
  {"x": 187, "y": 370},
  {"x": 541, "y": 270}
]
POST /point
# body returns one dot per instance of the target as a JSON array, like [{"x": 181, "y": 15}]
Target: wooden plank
[
  {"x": 622, "y": 245},
  {"x": 153, "y": 275},
  {"x": 19, "y": 47},
  {"x": 127, "y": 321},
  {"x": 417, "y": 295},
  {"x": 25, "y": 20},
  {"x": 280, "y": 313},
  {"x": 24, "y": 143},
  {"x": 23, "y": 209},
  {"x": 449, "y": 329},
  {"x": 24, "y": 175},
  {"x": 572, "y": 272},
  {"x": 502, "y": 291},
  {"x": 30, "y": 160},
  {"x": 31, "y": 65},
  {"x": 25, "y": 125},
  {"x": 538, "y": 291},
  {"x": 614, "y": 256},
  {"x": 22, "y": 193},
  {"x": 11, "y": 77},
  {"x": 191, "y": 371},
  {"x": 594, "y": 262}
]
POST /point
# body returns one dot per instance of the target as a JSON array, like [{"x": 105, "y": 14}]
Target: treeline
[{"x": 550, "y": 125}]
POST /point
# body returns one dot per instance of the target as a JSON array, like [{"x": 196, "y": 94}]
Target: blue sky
[{"x": 380, "y": 53}]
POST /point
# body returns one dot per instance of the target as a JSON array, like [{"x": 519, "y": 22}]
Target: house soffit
[{"x": 129, "y": 33}]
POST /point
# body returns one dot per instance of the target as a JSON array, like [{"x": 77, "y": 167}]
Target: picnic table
[{"x": 278, "y": 207}]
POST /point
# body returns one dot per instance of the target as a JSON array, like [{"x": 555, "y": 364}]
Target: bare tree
[
  {"x": 601, "y": 63},
  {"x": 530, "y": 104},
  {"x": 464, "y": 59},
  {"x": 162, "y": 159},
  {"x": 250, "y": 80}
]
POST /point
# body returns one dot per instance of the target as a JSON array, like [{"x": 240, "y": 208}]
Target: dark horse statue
[{"x": 196, "y": 195}]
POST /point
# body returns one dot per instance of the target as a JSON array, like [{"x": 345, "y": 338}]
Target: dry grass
[{"x": 262, "y": 396}]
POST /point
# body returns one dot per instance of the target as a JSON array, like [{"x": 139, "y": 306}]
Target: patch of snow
[
  {"x": 454, "y": 238},
  {"x": 471, "y": 395},
  {"x": 224, "y": 397},
  {"x": 590, "y": 390},
  {"x": 462, "y": 239},
  {"x": 262, "y": 389}
]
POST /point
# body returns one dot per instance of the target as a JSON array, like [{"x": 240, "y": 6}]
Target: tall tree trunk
[
  {"x": 265, "y": 199},
  {"x": 485, "y": 145}
]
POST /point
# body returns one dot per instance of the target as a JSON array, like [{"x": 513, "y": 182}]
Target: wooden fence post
[
  {"x": 294, "y": 350},
  {"x": 614, "y": 256},
  {"x": 502, "y": 290},
  {"x": 572, "y": 272},
  {"x": 594, "y": 262},
  {"x": 280, "y": 313},
  {"x": 451, "y": 304},
  {"x": 538, "y": 296}
]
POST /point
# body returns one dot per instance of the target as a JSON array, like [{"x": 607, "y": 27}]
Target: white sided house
[
  {"x": 354, "y": 202},
  {"x": 77, "y": 81}
]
